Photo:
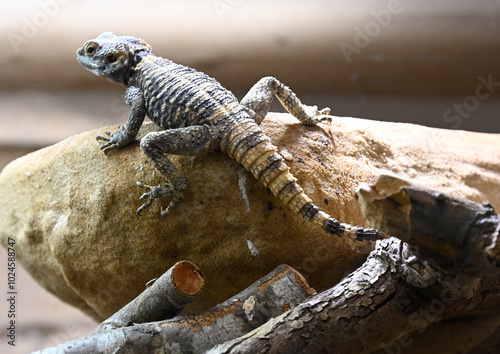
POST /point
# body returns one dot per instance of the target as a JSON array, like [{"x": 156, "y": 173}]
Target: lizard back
[{"x": 177, "y": 96}]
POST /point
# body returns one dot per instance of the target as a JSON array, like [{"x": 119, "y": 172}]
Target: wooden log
[
  {"x": 372, "y": 308},
  {"x": 269, "y": 297},
  {"x": 402, "y": 287},
  {"x": 455, "y": 233},
  {"x": 165, "y": 298}
]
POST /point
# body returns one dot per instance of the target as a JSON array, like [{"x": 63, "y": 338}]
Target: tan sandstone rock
[{"x": 71, "y": 209}]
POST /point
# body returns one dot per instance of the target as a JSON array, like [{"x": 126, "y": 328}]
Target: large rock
[{"x": 71, "y": 209}]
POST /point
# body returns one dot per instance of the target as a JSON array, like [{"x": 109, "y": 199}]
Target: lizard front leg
[
  {"x": 260, "y": 97},
  {"x": 127, "y": 134},
  {"x": 182, "y": 141}
]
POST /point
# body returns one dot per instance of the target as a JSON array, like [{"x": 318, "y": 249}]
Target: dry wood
[
  {"x": 448, "y": 267},
  {"x": 456, "y": 234},
  {"x": 400, "y": 288},
  {"x": 269, "y": 297},
  {"x": 165, "y": 298}
]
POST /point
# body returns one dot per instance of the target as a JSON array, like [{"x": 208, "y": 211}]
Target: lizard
[{"x": 197, "y": 114}]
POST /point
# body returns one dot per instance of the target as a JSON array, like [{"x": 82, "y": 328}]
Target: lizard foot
[
  {"x": 314, "y": 116},
  {"x": 113, "y": 141},
  {"x": 155, "y": 192}
]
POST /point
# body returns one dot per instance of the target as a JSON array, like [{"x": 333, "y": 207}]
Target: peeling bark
[
  {"x": 266, "y": 298},
  {"x": 400, "y": 288},
  {"x": 370, "y": 309}
]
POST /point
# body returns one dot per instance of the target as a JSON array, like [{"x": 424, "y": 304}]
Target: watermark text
[{"x": 11, "y": 291}]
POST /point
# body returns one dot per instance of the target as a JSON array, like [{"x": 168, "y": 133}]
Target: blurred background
[{"x": 434, "y": 63}]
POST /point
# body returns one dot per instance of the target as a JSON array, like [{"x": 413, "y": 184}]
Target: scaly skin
[{"x": 198, "y": 114}]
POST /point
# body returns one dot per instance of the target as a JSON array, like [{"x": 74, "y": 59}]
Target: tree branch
[
  {"x": 456, "y": 234},
  {"x": 267, "y": 298},
  {"x": 400, "y": 288},
  {"x": 448, "y": 266},
  {"x": 165, "y": 298}
]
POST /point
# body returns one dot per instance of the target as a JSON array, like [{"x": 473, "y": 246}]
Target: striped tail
[{"x": 247, "y": 144}]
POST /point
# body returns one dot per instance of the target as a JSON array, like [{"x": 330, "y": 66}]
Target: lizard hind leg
[
  {"x": 258, "y": 100},
  {"x": 156, "y": 145}
]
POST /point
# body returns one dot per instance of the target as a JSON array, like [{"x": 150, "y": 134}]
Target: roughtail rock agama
[{"x": 198, "y": 114}]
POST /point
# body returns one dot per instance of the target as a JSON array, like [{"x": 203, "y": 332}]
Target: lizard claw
[
  {"x": 156, "y": 192},
  {"x": 324, "y": 112},
  {"x": 324, "y": 115},
  {"x": 108, "y": 147},
  {"x": 103, "y": 138},
  {"x": 113, "y": 141},
  {"x": 315, "y": 116}
]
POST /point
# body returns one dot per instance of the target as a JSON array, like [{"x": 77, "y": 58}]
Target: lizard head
[{"x": 111, "y": 56}]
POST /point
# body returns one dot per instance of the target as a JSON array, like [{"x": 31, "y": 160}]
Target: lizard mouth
[{"x": 89, "y": 64}]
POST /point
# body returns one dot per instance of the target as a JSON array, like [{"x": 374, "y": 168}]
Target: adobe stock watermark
[
  {"x": 363, "y": 36},
  {"x": 70, "y": 329},
  {"x": 425, "y": 316},
  {"x": 222, "y": 7},
  {"x": 120, "y": 109},
  {"x": 31, "y": 26},
  {"x": 460, "y": 111},
  {"x": 317, "y": 261}
]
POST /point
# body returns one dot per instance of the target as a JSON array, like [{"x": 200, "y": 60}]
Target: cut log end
[{"x": 188, "y": 278}]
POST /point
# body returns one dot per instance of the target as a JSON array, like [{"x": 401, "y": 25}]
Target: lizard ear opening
[
  {"x": 111, "y": 58},
  {"x": 116, "y": 62}
]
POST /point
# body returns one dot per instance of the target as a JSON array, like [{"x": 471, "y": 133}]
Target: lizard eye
[
  {"x": 111, "y": 58},
  {"x": 90, "y": 48}
]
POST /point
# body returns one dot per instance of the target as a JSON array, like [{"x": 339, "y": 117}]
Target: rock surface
[{"x": 71, "y": 209}]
